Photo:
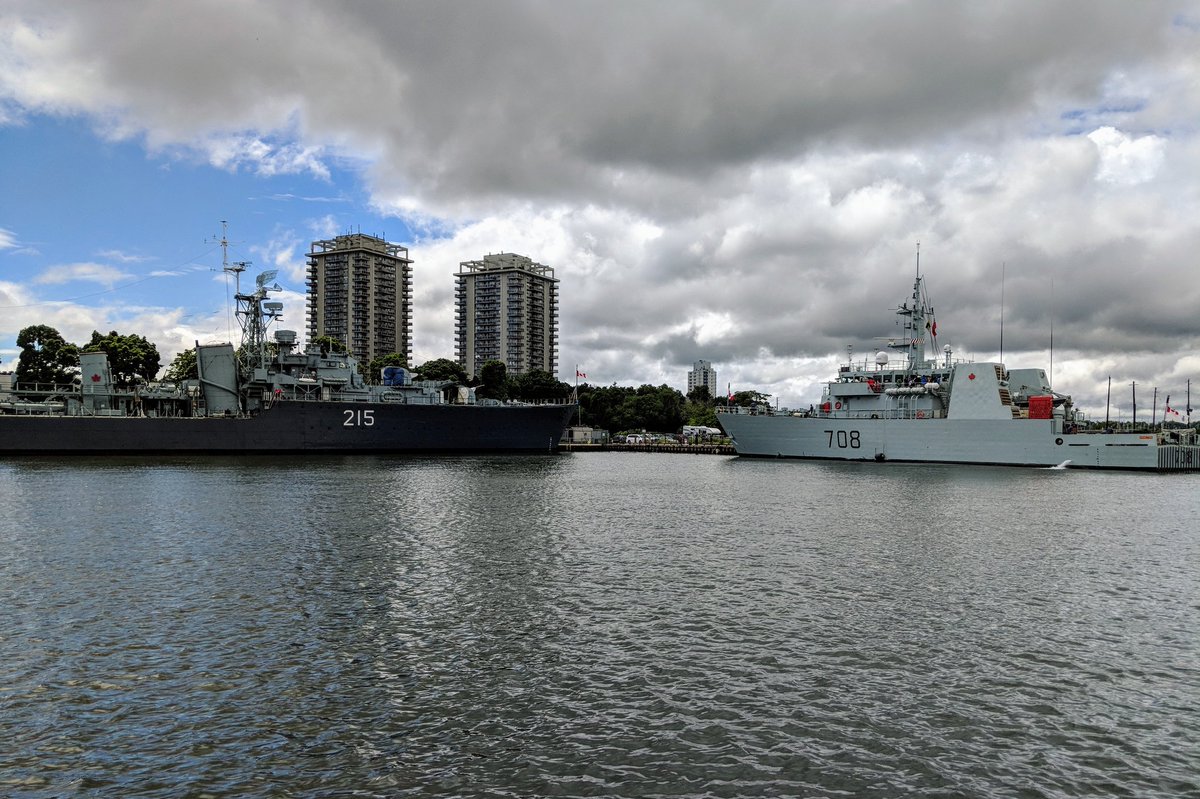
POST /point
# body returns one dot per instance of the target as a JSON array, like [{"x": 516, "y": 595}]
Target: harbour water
[{"x": 602, "y": 624}]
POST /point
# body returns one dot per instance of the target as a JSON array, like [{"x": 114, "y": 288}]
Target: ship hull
[
  {"x": 1022, "y": 442},
  {"x": 344, "y": 427}
]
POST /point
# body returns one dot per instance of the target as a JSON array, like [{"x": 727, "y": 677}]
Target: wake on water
[{"x": 1060, "y": 466}]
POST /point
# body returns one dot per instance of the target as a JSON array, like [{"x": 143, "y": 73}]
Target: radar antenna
[{"x": 254, "y": 314}]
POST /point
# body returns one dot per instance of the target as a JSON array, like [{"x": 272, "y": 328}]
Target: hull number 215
[{"x": 357, "y": 418}]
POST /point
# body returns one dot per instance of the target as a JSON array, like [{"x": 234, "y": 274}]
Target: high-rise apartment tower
[
  {"x": 703, "y": 374},
  {"x": 360, "y": 293},
  {"x": 507, "y": 310}
]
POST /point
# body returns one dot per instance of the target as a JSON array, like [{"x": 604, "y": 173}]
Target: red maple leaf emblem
[
  {"x": 95, "y": 378},
  {"x": 971, "y": 376}
]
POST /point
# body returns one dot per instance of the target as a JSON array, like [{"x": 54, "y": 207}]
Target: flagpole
[
  {"x": 578, "y": 404},
  {"x": 1108, "y": 402}
]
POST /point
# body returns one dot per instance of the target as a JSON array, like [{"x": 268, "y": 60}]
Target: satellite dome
[{"x": 881, "y": 358}]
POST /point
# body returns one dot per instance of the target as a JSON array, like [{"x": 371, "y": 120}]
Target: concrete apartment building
[
  {"x": 506, "y": 310},
  {"x": 703, "y": 374},
  {"x": 360, "y": 293}
]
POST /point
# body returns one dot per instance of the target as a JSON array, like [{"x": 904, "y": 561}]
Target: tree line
[
  {"x": 659, "y": 409},
  {"x": 47, "y": 358}
]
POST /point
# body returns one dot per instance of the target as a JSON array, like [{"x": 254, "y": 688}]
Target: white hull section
[{"x": 1009, "y": 442}]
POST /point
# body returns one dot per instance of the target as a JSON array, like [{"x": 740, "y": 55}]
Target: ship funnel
[
  {"x": 95, "y": 381},
  {"x": 217, "y": 368}
]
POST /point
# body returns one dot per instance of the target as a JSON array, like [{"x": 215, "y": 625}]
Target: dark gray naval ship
[{"x": 261, "y": 399}]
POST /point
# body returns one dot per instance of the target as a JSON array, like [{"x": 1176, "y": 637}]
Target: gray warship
[
  {"x": 269, "y": 399},
  {"x": 942, "y": 410}
]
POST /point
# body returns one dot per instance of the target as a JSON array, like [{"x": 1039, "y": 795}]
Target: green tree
[
  {"x": 46, "y": 357},
  {"x": 600, "y": 406},
  {"x": 183, "y": 367},
  {"x": 330, "y": 344},
  {"x": 748, "y": 398},
  {"x": 537, "y": 384},
  {"x": 129, "y": 356},
  {"x": 700, "y": 414},
  {"x": 442, "y": 369},
  {"x": 661, "y": 408},
  {"x": 377, "y": 365},
  {"x": 699, "y": 408},
  {"x": 493, "y": 379}
]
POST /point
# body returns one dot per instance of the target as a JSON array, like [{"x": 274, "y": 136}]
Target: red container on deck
[{"x": 1041, "y": 407}]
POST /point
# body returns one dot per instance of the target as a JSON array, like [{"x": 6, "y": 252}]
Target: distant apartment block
[
  {"x": 703, "y": 374},
  {"x": 360, "y": 293},
  {"x": 506, "y": 310}
]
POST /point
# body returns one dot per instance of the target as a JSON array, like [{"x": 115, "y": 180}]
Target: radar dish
[{"x": 266, "y": 277}]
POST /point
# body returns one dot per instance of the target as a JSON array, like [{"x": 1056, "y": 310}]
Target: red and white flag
[{"x": 579, "y": 373}]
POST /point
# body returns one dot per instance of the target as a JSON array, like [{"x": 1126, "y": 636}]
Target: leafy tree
[
  {"x": 660, "y": 408},
  {"x": 442, "y": 369},
  {"x": 330, "y": 344},
  {"x": 377, "y": 365},
  {"x": 183, "y": 367},
  {"x": 537, "y": 384},
  {"x": 700, "y": 414},
  {"x": 597, "y": 404},
  {"x": 129, "y": 356},
  {"x": 46, "y": 357},
  {"x": 493, "y": 379},
  {"x": 748, "y": 398},
  {"x": 699, "y": 409}
]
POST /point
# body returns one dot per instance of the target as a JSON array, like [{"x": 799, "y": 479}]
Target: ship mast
[
  {"x": 252, "y": 312},
  {"x": 916, "y": 323}
]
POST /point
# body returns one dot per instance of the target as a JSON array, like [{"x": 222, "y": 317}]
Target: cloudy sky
[{"x": 745, "y": 183}]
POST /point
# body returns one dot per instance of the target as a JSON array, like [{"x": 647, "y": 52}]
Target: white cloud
[
  {"x": 122, "y": 257},
  {"x": 1125, "y": 160},
  {"x": 84, "y": 272}
]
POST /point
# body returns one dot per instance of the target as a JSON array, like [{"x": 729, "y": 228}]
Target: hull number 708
[{"x": 845, "y": 439}]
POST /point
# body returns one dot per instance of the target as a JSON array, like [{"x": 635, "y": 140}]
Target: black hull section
[{"x": 300, "y": 427}]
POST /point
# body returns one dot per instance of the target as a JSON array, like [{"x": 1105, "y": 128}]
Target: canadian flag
[{"x": 579, "y": 373}]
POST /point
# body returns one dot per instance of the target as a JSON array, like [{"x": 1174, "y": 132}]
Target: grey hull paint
[{"x": 1024, "y": 442}]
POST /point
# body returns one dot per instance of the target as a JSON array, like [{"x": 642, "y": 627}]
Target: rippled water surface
[{"x": 604, "y": 624}]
